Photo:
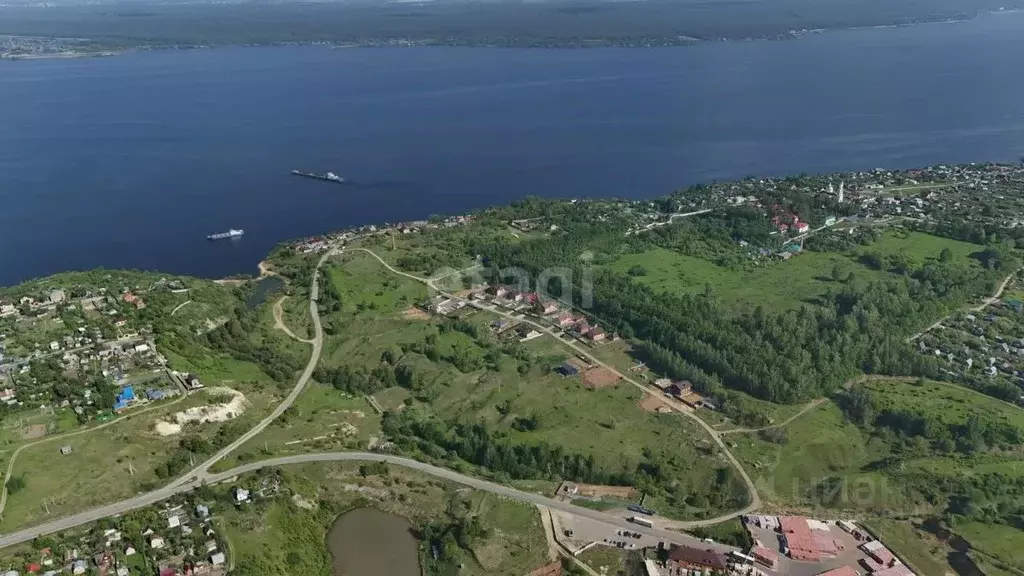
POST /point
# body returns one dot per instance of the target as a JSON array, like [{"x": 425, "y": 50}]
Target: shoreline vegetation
[{"x": 70, "y": 32}]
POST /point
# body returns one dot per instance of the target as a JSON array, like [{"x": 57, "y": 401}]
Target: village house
[
  {"x": 596, "y": 334},
  {"x": 565, "y": 320},
  {"x": 545, "y": 308},
  {"x": 134, "y": 300},
  {"x": 156, "y": 542}
]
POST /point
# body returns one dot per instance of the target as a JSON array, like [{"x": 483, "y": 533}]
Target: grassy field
[
  {"x": 999, "y": 540},
  {"x": 776, "y": 285},
  {"x": 828, "y": 463},
  {"x": 364, "y": 284},
  {"x": 607, "y": 561},
  {"x": 285, "y": 538},
  {"x": 321, "y": 420},
  {"x": 948, "y": 404},
  {"x": 296, "y": 314},
  {"x": 920, "y": 246},
  {"x": 822, "y": 446},
  {"x": 114, "y": 462}
]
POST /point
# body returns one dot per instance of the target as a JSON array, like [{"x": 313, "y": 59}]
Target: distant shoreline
[{"x": 99, "y": 48}]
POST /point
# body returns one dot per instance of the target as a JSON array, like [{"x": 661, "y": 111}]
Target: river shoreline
[{"x": 681, "y": 40}]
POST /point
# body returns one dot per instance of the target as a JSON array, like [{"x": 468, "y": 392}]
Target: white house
[
  {"x": 156, "y": 542},
  {"x": 217, "y": 559}
]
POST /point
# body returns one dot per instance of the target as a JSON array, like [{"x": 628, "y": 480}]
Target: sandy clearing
[{"x": 205, "y": 414}]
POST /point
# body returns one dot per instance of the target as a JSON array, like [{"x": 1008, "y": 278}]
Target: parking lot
[{"x": 850, "y": 555}]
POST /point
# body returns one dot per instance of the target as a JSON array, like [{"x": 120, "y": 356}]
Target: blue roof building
[
  {"x": 567, "y": 370},
  {"x": 123, "y": 399}
]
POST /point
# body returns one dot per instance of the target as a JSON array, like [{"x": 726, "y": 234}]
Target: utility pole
[
  {"x": 45, "y": 507},
  {"x": 131, "y": 469}
]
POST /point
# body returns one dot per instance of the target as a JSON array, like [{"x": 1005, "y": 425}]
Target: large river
[{"x": 131, "y": 161}]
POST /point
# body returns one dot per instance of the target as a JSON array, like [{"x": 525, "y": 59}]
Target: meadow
[
  {"x": 285, "y": 536},
  {"x": 774, "y": 284}
]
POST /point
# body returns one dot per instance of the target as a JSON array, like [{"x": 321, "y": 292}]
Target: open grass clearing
[
  {"x": 322, "y": 419},
  {"x": 921, "y": 246},
  {"x": 774, "y": 285},
  {"x": 364, "y": 284},
  {"x": 998, "y": 540},
  {"x": 950, "y": 404},
  {"x": 778, "y": 285},
  {"x": 111, "y": 463},
  {"x": 821, "y": 446},
  {"x": 605, "y": 560},
  {"x": 283, "y": 538}
]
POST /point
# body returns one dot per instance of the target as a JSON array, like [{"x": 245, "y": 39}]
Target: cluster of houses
[
  {"x": 842, "y": 548},
  {"x": 184, "y": 536},
  {"x": 972, "y": 344}
]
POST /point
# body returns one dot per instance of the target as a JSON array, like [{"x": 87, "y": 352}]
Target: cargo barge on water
[
  {"x": 232, "y": 233},
  {"x": 329, "y": 177}
]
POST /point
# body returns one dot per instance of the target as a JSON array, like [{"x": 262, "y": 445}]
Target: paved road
[
  {"x": 755, "y": 498},
  {"x": 202, "y": 471},
  {"x": 164, "y": 493}
]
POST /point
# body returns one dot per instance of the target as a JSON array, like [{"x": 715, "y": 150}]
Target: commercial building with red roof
[
  {"x": 879, "y": 553},
  {"x": 765, "y": 556},
  {"x": 799, "y": 542}
]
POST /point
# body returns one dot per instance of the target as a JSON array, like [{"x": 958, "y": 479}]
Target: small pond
[
  {"x": 369, "y": 542},
  {"x": 264, "y": 288}
]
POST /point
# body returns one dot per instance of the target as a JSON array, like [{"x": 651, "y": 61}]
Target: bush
[
  {"x": 15, "y": 484},
  {"x": 638, "y": 270}
]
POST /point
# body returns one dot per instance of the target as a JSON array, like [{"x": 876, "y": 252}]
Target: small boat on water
[{"x": 329, "y": 177}]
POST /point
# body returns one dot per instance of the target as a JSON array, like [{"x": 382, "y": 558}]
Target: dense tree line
[
  {"x": 234, "y": 338},
  {"x": 479, "y": 444},
  {"x": 975, "y": 434}
]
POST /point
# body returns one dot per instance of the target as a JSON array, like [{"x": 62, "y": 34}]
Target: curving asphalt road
[
  {"x": 202, "y": 471},
  {"x": 164, "y": 493}
]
